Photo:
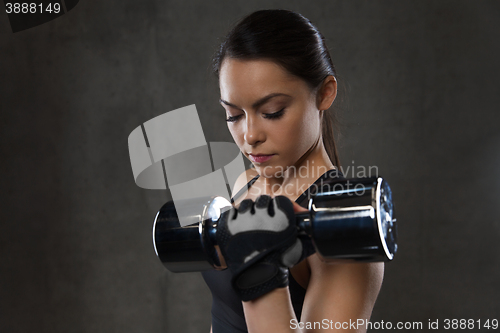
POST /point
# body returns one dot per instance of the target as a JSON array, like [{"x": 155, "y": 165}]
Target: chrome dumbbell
[{"x": 349, "y": 219}]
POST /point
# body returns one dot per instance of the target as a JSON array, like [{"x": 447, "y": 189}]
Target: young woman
[{"x": 277, "y": 82}]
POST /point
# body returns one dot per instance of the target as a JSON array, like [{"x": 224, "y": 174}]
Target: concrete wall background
[{"x": 421, "y": 81}]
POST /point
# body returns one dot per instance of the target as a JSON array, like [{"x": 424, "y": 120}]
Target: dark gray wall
[{"x": 421, "y": 82}]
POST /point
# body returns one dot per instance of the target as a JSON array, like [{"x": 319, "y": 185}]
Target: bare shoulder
[{"x": 243, "y": 179}]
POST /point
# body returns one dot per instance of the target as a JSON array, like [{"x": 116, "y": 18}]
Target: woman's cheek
[
  {"x": 302, "y": 130},
  {"x": 237, "y": 135}
]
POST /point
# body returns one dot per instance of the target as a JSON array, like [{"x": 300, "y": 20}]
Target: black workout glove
[{"x": 259, "y": 241}]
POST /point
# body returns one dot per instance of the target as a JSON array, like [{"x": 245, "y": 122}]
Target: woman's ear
[{"x": 326, "y": 93}]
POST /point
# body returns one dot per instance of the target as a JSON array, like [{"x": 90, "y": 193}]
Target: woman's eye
[
  {"x": 274, "y": 115},
  {"x": 231, "y": 119}
]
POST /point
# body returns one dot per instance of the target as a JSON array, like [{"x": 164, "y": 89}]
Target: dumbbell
[{"x": 349, "y": 219}]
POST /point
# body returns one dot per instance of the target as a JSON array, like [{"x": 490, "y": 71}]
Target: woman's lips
[{"x": 260, "y": 158}]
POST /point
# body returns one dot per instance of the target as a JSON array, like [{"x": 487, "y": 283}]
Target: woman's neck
[{"x": 298, "y": 177}]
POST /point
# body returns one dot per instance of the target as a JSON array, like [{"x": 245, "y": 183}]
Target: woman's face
[{"x": 272, "y": 115}]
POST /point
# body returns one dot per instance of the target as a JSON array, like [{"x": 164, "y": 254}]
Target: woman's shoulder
[
  {"x": 244, "y": 178},
  {"x": 334, "y": 173},
  {"x": 328, "y": 178}
]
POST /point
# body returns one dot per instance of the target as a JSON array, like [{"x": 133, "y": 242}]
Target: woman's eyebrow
[
  {"x": 228, "y": 104},
  {"x": 258, "y": 103}
]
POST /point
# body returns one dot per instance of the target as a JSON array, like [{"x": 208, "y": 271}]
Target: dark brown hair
[{"x": 290, "y": 40}]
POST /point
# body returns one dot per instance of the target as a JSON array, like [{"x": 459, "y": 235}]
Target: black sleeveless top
[{"x": 227, "y": 310}]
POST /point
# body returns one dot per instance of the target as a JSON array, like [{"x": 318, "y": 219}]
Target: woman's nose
[{"x": 254, "y": 133}]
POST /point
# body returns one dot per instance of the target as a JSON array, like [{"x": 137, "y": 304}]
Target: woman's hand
[
  {"x": 259, "y": 241},
  {"x": 298, "y": 208}
]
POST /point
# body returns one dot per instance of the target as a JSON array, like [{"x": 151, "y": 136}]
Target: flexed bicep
[{"x": 341, "y": 293}]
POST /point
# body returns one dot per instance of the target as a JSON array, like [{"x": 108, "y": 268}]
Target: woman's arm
[
  {"x": 341, "y": 294},
  {"x": 337, "y": 294},
  {"x": 272, "y": 312}
]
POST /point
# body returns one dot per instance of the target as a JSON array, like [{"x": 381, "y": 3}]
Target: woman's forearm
[{"x": 272, "y": 312}]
